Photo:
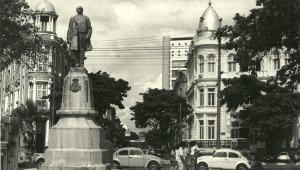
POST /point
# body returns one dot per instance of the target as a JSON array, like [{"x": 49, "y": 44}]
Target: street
[{"x": 266, "y": 166}]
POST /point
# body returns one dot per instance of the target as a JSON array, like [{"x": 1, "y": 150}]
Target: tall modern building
[
  {"x": 175, "y": 54},
  {"x": 33, "y": 79},
  {"x": 202, "y": 72}
]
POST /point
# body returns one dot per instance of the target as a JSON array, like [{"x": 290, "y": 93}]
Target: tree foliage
[
  {"x": 27, "y": 115},
  {"x": 15, "y": 30},
  {"x": 275, "y": 25},
  {"x": 153, "y": 137},
  {"x": 271, "y": 114},
  {"x": 107, "y": 91},
  {"x": 134, "y": 136},
  {"x": 158, "y": 110}
]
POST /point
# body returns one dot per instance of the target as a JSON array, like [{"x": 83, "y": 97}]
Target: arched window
[
  {"x": 211, "y": 63},
  {"x": 201, "y": 64},
  {"x": 231, "y": 63}
]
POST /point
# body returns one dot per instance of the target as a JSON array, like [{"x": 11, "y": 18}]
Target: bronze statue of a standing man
[{"x": 79, "y": 36}]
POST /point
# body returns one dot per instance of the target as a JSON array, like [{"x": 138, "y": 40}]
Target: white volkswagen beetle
[
  {"x": 134, "y": 157},
  {"x": 225, "y": 159}
]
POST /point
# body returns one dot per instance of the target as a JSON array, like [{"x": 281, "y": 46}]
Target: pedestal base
[{"x": 76, "y": 142}]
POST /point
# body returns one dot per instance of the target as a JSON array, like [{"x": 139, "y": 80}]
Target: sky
[{"x": 122, "y": 25}]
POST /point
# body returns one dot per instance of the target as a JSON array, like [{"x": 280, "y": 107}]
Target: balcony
[{"x": 206, "y": 108}]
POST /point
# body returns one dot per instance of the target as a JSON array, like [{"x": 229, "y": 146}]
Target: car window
[
  {"x": 233, "y": 155},
  {"x": 135, "y": 152},
  {"x": 283, "y": 153},
  {"x": 221, "y": 154},
  {"x": 124, "y": 152}
]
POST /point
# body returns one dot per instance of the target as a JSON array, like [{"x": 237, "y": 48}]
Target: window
[
  {"x": 172, "y": 55},
  {"x": 233, "y": 155},
  {"x": 201, "y": 97},
  {"x": 31, "y": 91},
  {"x": 221, "y": 154},
  {"x": 179, "y": 51},
  {"x": 235, "y": 129},
  {"x": 172, "y": 44},
  {"x": 231, "y": 63},
  {"x": 185, "y": 44},
  {"x": 211, "y": 129},
  {"x": 201, "y": 129},
  {"x": 135, "y": 152},
  {"x": 276, "y": 63},
  {"x": 41, "y": 91},
  {"x": 124, "y": 153},
  {"x": 211, "y": 96},
  {"x": 172, "y": 51},
  {"x": 201, "y": 64},
  {"x": 178, "y": 43},
  {"x": 286, "y": 57},
  {"x": 253, "y": 137},
  {"x": 175, "y": 73},
  {"x": 211, "y": 63},
  {"x": 42, "y": 66},
  {"x": 178, "y": 54}
]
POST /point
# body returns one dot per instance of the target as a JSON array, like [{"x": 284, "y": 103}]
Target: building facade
[
  {"x": 33, "y": 79},
  {"x": 175, "y": 50},
  {"x": 202, "y": 71}
]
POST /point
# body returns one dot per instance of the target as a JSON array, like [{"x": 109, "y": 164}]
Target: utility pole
[
  {"x": 218, "y": 94},
  {"x": 180, "y": 137}
]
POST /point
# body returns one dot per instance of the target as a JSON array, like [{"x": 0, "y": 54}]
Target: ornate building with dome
[
  {"x": 202, "y": 72},
  {"x": 33, "y": 80}
]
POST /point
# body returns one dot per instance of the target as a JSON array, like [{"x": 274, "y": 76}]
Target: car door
[
  {"x": 233, "y": 158},
  {"x": 136, "y": 158},
  {"x": 219, "y": 159},
  {"x": 123, "y": 157}
]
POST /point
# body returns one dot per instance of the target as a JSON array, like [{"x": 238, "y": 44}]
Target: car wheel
[
  {"x": 40, "y": 161},
  {"x": 153, "y": 166},
  {"x": 241, "y": 167},
  {"x": 202, "y": 166},
  {"x": 116, "y": 165}
]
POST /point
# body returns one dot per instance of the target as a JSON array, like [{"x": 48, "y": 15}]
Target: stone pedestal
[{"x": 76, "y": 142}]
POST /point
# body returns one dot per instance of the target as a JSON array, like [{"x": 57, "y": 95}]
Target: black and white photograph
[{"x": 150, "y": 84}]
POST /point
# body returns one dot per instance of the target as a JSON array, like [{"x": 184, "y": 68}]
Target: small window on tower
[{"x": 178, "y": 43}]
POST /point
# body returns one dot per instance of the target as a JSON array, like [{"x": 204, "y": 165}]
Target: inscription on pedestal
[
  {"x": 64, "y": 91},
  {"x": 87, "y": 90},
  {"x": 75, "y": 86}
]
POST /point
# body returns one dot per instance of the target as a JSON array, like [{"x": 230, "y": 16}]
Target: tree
[
  {"x": 273, "y": 115},
  {"x": 16, "y": 32},
  {"x": 108, "y": 91},
  {"x": 274, "y": 26},
  {"x": 268, "y": 114},
  {"x": 134, "y": 136},
  {"x": 158, "y": 108},
  {"x": 27, "y": 115},
  {"x": 153, "y": 138}
]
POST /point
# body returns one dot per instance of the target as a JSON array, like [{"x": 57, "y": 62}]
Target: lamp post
[{"x": 180, "y": 137}]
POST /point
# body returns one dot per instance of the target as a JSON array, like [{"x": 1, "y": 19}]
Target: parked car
[
  {"x": 135, "y": 157},
  {"x": 224, "y": 159},
  {"x": 268, "y": 158},
  {"x": 297, "y": 156},
  {"x": 283, "y": 156},
  {"x": 160, "y": 153},
  {"x": 38, "y": 158}
]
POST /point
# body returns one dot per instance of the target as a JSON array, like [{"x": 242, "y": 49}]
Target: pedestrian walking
[
  {"x": 173, "y": 158},
  {"x": 194, "y": 149},
  {"x": 177, "y": 156},
  {"x": 182, "y": 163}
]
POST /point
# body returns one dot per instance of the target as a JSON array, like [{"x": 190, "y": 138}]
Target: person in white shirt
[
  {"x": 193, "y": 150},
  {"x": 182, "y": 163}
]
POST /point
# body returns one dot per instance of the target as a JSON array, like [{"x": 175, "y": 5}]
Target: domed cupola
[
  {"x": 45, "y": 17},
  {"x": 209, "y": 21},
  {"x": 45, "y": 7}
]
